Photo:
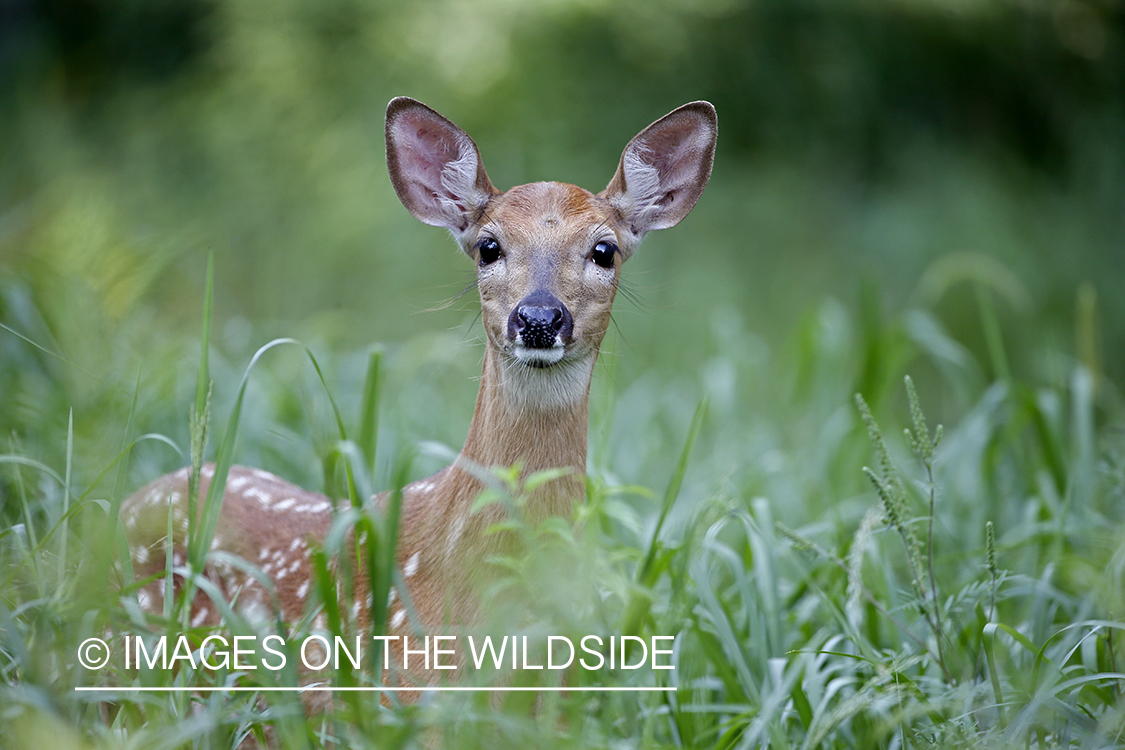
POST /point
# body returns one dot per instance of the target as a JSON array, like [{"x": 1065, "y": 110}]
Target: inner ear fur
[
  {"x": 664, "y": 169},
  {"x": 434, "y": 166}
]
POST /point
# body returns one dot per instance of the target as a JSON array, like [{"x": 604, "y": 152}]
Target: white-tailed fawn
[{"x": 548, "y": 260}]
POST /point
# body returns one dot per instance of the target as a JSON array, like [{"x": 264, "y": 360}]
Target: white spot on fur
[
  {"x": 317, "y": 507},
  {"x": 285, "y": 504},
  {"x": 303, "y": 589},
  {"x": 179, "y": 515},
  {"x": 398, "y": 618},
  {"x": 236, "y": 484},
  {"x": 254, "y": 610},
  {"x": 229, "y": 577},
  {"x": 207, "y": 472},
  {"x": 259, "y": 495},
  {"x": 140, "y": 555},
  {"x": 411, "y": 566},
  {"x": 144, "y": 599},
  {"x": 200, "y": 617},
  {"x": 456, "y": 532}
]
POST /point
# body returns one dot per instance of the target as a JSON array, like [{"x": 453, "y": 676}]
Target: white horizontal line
[{"x": 330, "y": 689}]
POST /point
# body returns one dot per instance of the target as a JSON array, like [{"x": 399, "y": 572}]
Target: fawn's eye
[
  {"x": 603, "y": 253},
  {"x": 488, "y": 250}
]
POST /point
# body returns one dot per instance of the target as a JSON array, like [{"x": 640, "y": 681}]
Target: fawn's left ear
[
  {"x": 664, "y": 169},
  {"x": 435, "y": 167}
]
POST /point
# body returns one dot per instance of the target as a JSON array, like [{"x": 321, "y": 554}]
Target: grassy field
[
  {"x": 963, "y": 591},
  {"x": 922, "y": 189}
]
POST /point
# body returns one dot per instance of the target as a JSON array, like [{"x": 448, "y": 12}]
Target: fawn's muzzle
[{"x": 540, "y": 321}]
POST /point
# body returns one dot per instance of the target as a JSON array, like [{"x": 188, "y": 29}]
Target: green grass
[
  {"x": 899, "y": 190},
  {"x": 961, "y": 592}
]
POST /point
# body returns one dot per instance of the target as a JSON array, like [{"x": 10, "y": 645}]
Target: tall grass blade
[
  {"x": 209, "y": 516},
  {"x": 352, "y": 490},
  {"x": 994, "y": 671},
  {"x": 380, "y": 556},
  {"x": 635, "y": 611},
  {"x": 1086, "y": 330},
  {"x": 61, "y": 358},
  {"x": 369, "y": 408},
  {"x": 203, "y": 381},
  {"x": 64, "y": 538},
  {"x": 673, "y": 490},
  {"x": 992, "y": 336},
  {"x": 113, "y": 544},
  {"x": 199, "y": 417}
]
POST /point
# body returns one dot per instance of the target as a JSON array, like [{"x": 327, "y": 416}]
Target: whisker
[
  {"x": 448, "y": 303},
  {"x": 472, "y": 323},
  {"x": 631, "y": 294}
]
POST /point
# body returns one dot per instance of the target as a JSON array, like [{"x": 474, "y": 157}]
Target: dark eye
[
  {"x": 602, "y": 254},
  {"x": 489, "y": 251}
]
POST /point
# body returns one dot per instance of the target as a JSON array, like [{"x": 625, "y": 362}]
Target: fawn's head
[{"x": 548, "y": 254}]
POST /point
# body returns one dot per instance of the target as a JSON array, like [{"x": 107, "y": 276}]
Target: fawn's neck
[
  {"x": 536, "y": 418},
  {"x": 445, "y": 545},
  {"x": 511, "y": 426}
]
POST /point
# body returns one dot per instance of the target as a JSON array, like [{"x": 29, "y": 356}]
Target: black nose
[{"x": 539, "y": 319}]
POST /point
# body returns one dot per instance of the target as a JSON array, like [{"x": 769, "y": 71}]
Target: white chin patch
[{"x": 539, "y": 357}]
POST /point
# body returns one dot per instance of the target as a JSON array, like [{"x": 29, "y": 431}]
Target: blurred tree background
[{"x": 963, "y": 156}]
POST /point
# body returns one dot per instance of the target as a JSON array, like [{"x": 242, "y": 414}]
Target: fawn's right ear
[{"x": 435, "y": 167}]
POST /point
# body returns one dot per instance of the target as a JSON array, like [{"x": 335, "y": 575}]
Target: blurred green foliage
[
  {"x": 943, "y": 180},
  {"x": 932, "y": 183},
  {"x": 861, "y": 141},
  {"x": 925, "y": 186}
]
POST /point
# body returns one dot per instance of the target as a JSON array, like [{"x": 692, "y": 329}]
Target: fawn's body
[{"x": 548, "y": 260}]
